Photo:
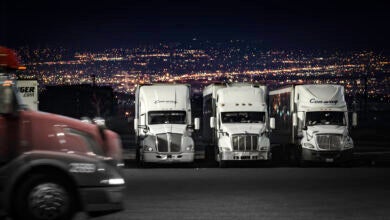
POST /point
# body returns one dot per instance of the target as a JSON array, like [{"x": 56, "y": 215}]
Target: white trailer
[
  {"x": 236, "y": 123},
  {"x": 28, "y": 90},
  {"x": 163, "y": 124},
  {"x": 312, "y": 123}
]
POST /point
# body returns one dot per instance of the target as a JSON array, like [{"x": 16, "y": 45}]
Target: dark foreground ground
[
  {"x": 256, "y": 193},
  {"x": 202, "y": 191}
]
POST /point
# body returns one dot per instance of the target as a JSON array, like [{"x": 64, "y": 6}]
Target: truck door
[{"x": 9, "y": 125}]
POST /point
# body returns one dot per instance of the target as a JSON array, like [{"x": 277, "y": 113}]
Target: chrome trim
[
  {"x": 245, "y": 142},
  {"x": 169, "y": 142},
  {"x": 329, "y": 141}
]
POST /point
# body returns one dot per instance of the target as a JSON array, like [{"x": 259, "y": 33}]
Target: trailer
[
  {"x": 312, "y": 123},
  {"x": 236, "y": 123}
]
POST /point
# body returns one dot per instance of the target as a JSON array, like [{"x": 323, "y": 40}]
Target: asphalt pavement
[{"x": 256, "y": 193}]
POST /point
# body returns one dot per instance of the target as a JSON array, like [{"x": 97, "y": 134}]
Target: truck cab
[
  {"x": 163, "y": 124},
  {"x": 323, "y": 124},
  {"x": 52, "y": 166},
  {"x": 312, "y": 123},
  {"x": 239, "y": 122}
]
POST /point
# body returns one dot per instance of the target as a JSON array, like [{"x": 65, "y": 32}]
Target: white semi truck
[
  {"x": 163, "y": 124},
  {"x": 312, "y": 123},
  {"x": 236, "y": 123}
]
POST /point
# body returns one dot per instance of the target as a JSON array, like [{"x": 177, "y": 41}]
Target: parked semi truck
[
  {"x": 312, "y": 123},
  {"x": 163, "y": 124},
  {"x": 52, "y": 166},
  {"x": 236, "y": 123}
]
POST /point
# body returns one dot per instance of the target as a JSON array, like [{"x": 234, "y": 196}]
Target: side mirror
[
  {"x": 135, "y": 124},
  {"x": 272, "y": 123},
  {"x": 294, "y": 119},
  {"x": 6, "y": 101},
  {"x": 304, "y": 128},
  {"x": 354, "y": 119},
  {"x": 145, "y": 128},
  {"x": 212, "y": 122},
  {"x": 197, "y": 123}
]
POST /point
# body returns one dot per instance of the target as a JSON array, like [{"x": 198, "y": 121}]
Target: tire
[{"x": 44, "y": 197}]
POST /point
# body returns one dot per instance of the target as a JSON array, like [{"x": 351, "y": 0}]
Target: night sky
[{"x": 114, "y": 23}]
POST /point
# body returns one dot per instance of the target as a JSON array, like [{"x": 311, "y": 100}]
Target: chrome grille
[
  {"x": 245, "y": 142},
  {"x": 162, "y": 143},
  {"x": 169, "y": 142},
  {"x": 329, "y": 141},
  {"x": 175, "y": 142}
]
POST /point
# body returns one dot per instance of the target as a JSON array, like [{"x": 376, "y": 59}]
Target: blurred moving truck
[
  {"x": 53, "y": 166},
  {"x": 163, "y": 124},
  {"x": 312, "y": 123},
  {"x": 236, "y": 123}
]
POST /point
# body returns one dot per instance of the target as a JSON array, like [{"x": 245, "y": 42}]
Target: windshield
[
  {"x": 243, "y": 117},
  {"x": 167, "y": 117},
  {"x": 325, "y": 118}
]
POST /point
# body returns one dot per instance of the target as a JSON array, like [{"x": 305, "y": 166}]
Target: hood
[
  {"x": 53, "y": 136},
  {"x": 49, "y": 119},
  {"x": 327, "y": 129},
  {"x": 241, "y": 128},
  {"x": 168, "y": 128}
]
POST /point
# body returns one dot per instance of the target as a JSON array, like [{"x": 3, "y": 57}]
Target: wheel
[{"x": 44, "y": 197}]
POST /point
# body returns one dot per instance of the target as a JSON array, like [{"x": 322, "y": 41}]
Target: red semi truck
[{"x": 53, "y": 166}]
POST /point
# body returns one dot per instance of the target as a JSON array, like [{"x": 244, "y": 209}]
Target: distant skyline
[{"x": 115, "y": 23}]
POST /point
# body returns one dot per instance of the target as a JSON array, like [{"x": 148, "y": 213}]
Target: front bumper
[
  {"x": 102, "y": 200},
  {"x": 327, "y": 156},
  {"x": 155, "y": 157},
  {"x": 245, "y": 155}
]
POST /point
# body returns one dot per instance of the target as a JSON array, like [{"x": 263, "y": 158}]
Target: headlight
[
  {"x": 149, "y": 143},
  {"x": 308, "y": 145},
  {"x": 113, "y": 181},
  {"x": 347, "y": 142},
  {"x": 147, "y": 148},
  {"x": 263, "y": 143}
]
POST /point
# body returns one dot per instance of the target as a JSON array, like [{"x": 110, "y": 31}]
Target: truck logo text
[
  {"x": 313, "y": 100},
  {"x": 166, "y": 101},
  {"x": 27, "y": 91}
]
